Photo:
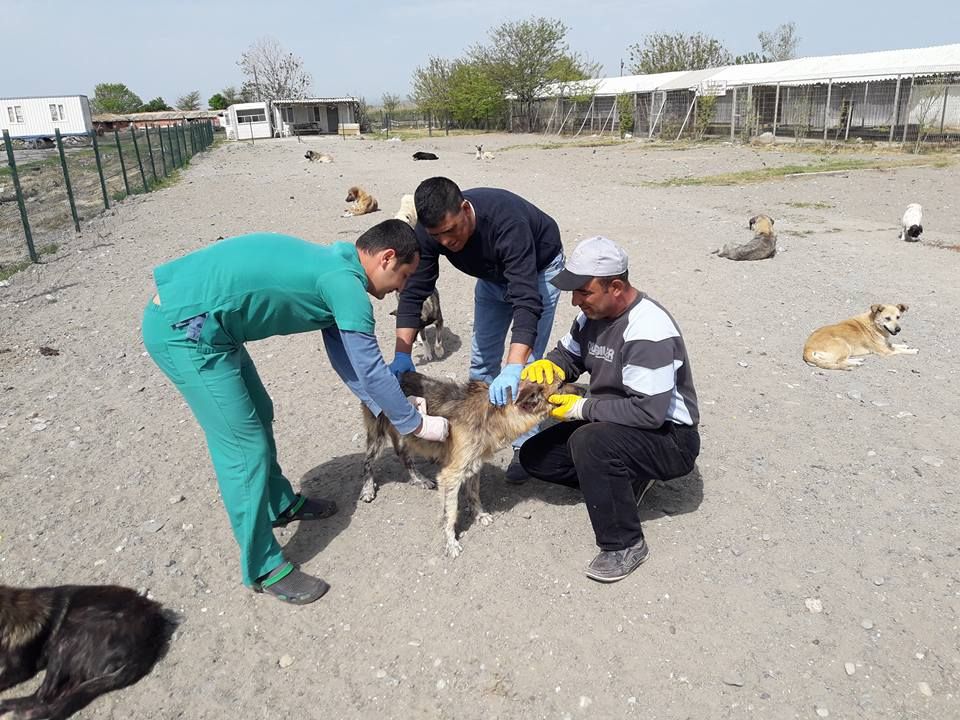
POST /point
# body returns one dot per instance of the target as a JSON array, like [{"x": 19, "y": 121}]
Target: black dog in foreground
[
  {"x": 421, "y": 155},
  {"x": 90, "y": 640}
]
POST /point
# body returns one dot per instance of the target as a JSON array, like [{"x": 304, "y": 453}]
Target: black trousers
[{"x": 610, "y": 464}]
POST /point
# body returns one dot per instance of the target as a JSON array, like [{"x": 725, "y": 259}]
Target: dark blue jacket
[{"x": 513, "y": 241}]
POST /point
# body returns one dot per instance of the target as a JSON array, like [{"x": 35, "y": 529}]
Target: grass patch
[
  {"x": 819, "y": 205},
  {"x": 8, "y": 271},
  {"x": 747, "y": 177}
]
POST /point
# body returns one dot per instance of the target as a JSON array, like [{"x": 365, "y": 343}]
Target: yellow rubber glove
[
  {"x": 569, "y": 407},
  {"x": 542, "y": 372}
]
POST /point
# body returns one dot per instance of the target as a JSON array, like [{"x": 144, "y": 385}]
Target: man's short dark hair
[
  {"x": 393, "y": 235},
  {"x": 434, "y": 198},
  {"x": 623, "y": 277}
]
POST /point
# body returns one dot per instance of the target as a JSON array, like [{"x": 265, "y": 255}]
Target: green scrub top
[{"x": 264, "y": 284}]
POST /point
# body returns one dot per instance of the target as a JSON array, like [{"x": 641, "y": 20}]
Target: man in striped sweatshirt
[{"x": 638, "y": 424}]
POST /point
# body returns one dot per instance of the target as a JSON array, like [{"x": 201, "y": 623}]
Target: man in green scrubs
[{"x": 212, "y": 301}]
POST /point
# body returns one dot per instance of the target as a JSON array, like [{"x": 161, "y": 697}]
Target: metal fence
[
  {"x": 910, "y": 110},
  {"x": 46, "y": 192}
]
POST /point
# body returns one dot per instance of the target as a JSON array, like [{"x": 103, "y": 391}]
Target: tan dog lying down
[
  {"x": 831, "y": 347},
  {"x": 363, "y": 202},
  {"x": 478, "y": 429},
  {"x": 763, "y": 245}
]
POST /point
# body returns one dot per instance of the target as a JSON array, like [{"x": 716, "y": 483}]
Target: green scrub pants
[{"x": 229, "y": 401}]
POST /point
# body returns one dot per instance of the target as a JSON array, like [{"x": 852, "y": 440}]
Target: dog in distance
[
  {"x": 314, "y": 156},
  {"x": 421, "y": 155},
  {"x": 762, "y": 246},
  {"x": 363, "y": 202}
]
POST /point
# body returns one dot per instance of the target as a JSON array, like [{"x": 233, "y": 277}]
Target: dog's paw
[
  {"x": 454, "y": 549},
  {"x": 368, "y": 492},
  {"x": 422, "y": 482},
  {"x": 484, "y": 518},
  {"x": 910, "y": 351},
  {"x": 347, "y": 213}
]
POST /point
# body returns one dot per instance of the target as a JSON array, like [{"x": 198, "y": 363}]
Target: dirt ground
[{"x": 808, "y": 568}]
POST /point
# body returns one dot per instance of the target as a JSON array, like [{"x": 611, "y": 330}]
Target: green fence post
[
  {"x": 163, "y": 155},
  {"x": 173, "y": 154},
  {"x": 11, "y": 161},
  {"x": 174, "y": 145},
  {"x": 103, "y": 182},
  {"x": 181, "y": 133},
  {"x": 181, "y": 160},
  {"x": 153, "y": 165},
  {"x": 66, "y": 179},
  {"x": 136, "y": 147},
  {"x": 123, "y": 165},
  {"x": 193, "y": 146}
]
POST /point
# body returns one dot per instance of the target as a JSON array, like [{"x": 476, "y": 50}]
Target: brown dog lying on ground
[
  {"x": 763, "y": 245},
  {"x": 314, "y": 156},
  {"x": 478, "y": 429},
  {"x": 831, "y": 347},
  {"x": 363, "y": 202},
  {"x": 90, "y": 640}
]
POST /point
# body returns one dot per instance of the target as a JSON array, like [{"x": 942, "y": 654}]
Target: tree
[
  {"x": 663, "y": 52},
  {"x": 190, "y": 101},
  {"x": 431, "y": 88},
  {"x": 749, "y": 58},
  {"x": 474, "y": 95},
  {"x": 158, "y": 104},
  {"x": 780, "y": 44},
  {"x": 390, "y": 103},
  {"x": 523, "y": 58},
  {"x": 217, "y": 102},
  {"x": 273, "y": 73},
  {"x": 115, "y": 98}
]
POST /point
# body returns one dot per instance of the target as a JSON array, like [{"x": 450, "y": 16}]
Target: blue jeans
[{"x": 492, "y": 314}]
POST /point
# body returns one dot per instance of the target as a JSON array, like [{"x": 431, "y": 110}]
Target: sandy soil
[{"x": 821, "y": 528}]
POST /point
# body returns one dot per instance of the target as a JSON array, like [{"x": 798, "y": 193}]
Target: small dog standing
[
  {"x": 477, "y": 430},
  {"x": 831, "y": 347},
  {"x": 763, "y": 245},
  {"x": 363, "y": 202},
  {"x": 430, "y": 314},
  {"x": 481, "y": 155},
  {"x": 313, "y": 156},
  {"x": 911, "y": 224},
  {"x": 90, "y": 640}
]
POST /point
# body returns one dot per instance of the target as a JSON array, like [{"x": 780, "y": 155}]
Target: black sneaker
[
  {"x": 290, "y": 584},
  {"x": 305, "y": 508},
  {"x": 612, "y": 565},
  {"x": 515, "y": 474}
]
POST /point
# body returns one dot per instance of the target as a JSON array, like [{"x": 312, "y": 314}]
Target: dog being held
[
  {"x": 911, "y": 224},
  {"x": 89, "y": 639},
  {"x": 314, "y": 156},
  {"x": 763, "y": 245},
  {"x": 478, "y": 429},
  {"x": 363, "y": 202},
  {"x": 832, "y": 346},
  {"x": 430, "y": 314}
]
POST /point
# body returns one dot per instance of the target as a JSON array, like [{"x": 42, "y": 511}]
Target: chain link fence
[
  {"x": 912, "y": 111},
  {"x": 48, "y": 191}
]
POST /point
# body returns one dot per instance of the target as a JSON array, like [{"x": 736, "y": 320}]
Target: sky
[{"x": 54, "y": 47}]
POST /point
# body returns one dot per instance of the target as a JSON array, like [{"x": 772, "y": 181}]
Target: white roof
[
  {"x": 316, "y": 101},
  {"x": 856, "y": 67}
]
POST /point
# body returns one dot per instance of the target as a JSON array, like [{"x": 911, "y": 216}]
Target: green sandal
[
  {"x": 304, "y": 508},
  {"x": 289, "y": 584}
]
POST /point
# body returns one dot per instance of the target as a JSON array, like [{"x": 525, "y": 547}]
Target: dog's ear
[
  {"x": 752, "y": 221},
  {"x": 528, "y": 396},
  {"x": 903, "y": 308},
  {"x": 571, "y": 389},
  {"x": 876, "y": 309}
]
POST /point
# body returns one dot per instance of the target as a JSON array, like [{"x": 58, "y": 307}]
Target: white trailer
[
  {"x": 36, "y": 118},
  {"x": 245, "y": 121}
]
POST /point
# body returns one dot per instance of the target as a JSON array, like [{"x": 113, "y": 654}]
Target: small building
[
  {"x": 323, "y": 116},
  {"x": 246, "y": 121},
  {"x": 36, "y": 118}
]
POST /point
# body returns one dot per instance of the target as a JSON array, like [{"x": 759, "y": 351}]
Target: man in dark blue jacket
[{"x": 513, "y": 249}]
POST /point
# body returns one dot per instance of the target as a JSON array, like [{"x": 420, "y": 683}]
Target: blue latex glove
[
  {"x": 508, "y": 379},
  {"x": 402, "y": 362}
]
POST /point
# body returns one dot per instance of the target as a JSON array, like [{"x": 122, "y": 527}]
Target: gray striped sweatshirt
[{"x": 639, "y": 370}]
